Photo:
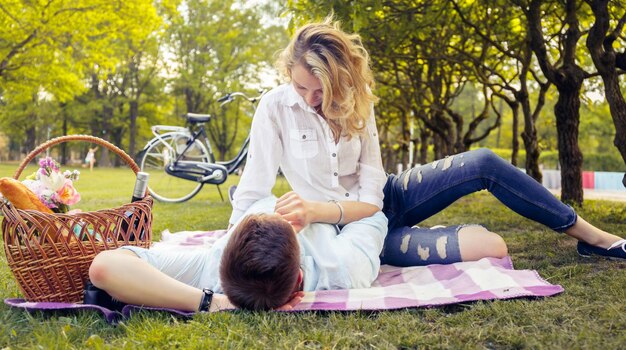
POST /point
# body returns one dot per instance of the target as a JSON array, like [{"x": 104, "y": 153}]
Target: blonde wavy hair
[{"x": 341, "y": 63}]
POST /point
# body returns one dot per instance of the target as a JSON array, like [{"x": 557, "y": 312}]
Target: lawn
[{"x": 590, "y": 314}]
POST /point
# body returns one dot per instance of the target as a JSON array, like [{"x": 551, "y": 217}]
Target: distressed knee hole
[
  {"x": 424, "y": 253},
  {"x": 407, "y": 177},
  {"x": 447, "y": 163},
  {"x": 441, "y": 245},
  {"x": 404, "y": 245}
]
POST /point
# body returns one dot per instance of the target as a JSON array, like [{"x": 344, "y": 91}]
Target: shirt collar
[{"x": 292, "y": 98}]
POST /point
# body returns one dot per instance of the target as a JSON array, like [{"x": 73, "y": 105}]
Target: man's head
[{"x": 260, "y": 267}]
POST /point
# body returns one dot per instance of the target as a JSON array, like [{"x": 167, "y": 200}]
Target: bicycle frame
[
  {"x": 158, "y": 130},
  {"x": 233, "y": 164},
  {"x": 182, "y": 154}
]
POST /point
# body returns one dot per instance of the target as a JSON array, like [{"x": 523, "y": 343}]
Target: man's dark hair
[{"x": 261, "y": 263}]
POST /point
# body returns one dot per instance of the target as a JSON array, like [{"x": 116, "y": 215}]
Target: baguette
[{"x": 20, "y": 196}]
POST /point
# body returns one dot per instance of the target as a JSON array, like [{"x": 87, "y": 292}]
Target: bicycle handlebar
[
  {"x": 224, "y": 98},
  {"x": 229, "y": 97}
]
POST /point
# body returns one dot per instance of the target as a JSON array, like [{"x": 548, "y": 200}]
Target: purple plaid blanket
[{"x": 395, "y": 287}]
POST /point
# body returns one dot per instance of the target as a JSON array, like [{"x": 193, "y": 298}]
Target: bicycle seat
[{"x": 194, "y": 118}]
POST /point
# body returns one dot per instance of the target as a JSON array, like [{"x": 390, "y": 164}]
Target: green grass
[{"x": 591, "y": 313}]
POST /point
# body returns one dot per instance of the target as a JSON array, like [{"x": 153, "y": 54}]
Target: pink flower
[
  {"x": 54, "y": 189},
  {"x": 67, "y": 194}
]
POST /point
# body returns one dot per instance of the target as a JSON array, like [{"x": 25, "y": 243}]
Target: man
[{"x": 264, "y": 267}]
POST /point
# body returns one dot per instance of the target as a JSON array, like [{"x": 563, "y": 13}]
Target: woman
[
  {"x": 90, "y": 159},
  {"x": 320, "y": 130}
]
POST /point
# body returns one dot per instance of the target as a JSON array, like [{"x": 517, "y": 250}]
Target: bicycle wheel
[{"x": 163, "y": 186}]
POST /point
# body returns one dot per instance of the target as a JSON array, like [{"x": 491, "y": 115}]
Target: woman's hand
[
  {"x": 299, "y": 212},
  {"x": 296, "y": 298},
  {"x": 295, "y": 210}
]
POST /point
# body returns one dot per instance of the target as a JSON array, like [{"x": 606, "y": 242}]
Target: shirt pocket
[
  {"x": 349, "y": 155},
  {"x": 303, "y": 143}
]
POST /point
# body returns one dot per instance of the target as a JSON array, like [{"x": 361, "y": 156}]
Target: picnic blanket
[{"x": 395, "y": 287}]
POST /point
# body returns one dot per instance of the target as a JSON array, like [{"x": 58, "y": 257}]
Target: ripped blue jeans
[{"x": 425, "y": 190}]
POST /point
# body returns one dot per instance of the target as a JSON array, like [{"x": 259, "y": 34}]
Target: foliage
[
  {"x": 130, "y": 64},
  {"x": 49, "y": 44},
  {"x": 219, "y": 47},
  {"x": 60, "y": 46},
  {"x": 589, "y": 314},
  {"x": 113, "y": 69}
]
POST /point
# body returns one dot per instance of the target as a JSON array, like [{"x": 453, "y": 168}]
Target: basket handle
[{"x": 55, "y": 141}]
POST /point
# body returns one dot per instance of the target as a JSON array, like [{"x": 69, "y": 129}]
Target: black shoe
[
  {"x": 615, "y": 251},
  {"x": 96, "y": 296}
]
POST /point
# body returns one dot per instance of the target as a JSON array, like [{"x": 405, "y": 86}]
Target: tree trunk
[
  {"x": 529, "y": 135},
  {"x": 117, "y": 135},
  {"x": 567, "y": 115},
  {"x": 600, "y": 44},
  {"x": 31, "y": 139},
  {"x": 424, "y": 142},
  {"x": 406, "y": 137},
  {"x": 64, "y": 155},
  {"x": 617, "y": 105},
  {"x": 532, "y": 156},
  {"x": 438, "y": 146},
  {"x": 107, "y": 115},
  {"x": 531, "y": 145},
  {"x": 568, "y": 80},
  {"x": 514, "y": 138},
  {"x": 133, "y": 112}
]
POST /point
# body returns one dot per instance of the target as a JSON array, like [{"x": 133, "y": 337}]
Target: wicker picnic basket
[{"x": 50, "y": 254}]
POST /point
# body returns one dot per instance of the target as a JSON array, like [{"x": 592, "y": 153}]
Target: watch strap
[{"x": 207, "y": 297}]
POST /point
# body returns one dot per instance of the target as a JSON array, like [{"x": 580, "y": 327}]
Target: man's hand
[
  {"x": 296, "y": 298},
  {"x": 295, "y": 210}
]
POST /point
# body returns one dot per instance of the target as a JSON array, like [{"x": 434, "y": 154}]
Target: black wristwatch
[{"x": 207, "y": 297}]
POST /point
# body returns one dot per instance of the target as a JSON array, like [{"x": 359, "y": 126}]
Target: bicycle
[{"x": 180, "y": 160}]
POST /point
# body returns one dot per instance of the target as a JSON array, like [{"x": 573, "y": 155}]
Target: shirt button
[
  {"x": 334, "y": 154},
  {"x": 347, "y": 194},
  {"x": 303, "y": 137},
  {"x": 335, "y": 173}
]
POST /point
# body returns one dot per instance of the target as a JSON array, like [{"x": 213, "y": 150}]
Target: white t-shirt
[{"x": 286, "y": 132}]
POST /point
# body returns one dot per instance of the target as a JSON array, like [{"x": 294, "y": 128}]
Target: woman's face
[{"x": 307, "y": 85}]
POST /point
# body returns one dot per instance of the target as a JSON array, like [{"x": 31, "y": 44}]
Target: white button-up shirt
[{"x": 289, "y": 134}]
